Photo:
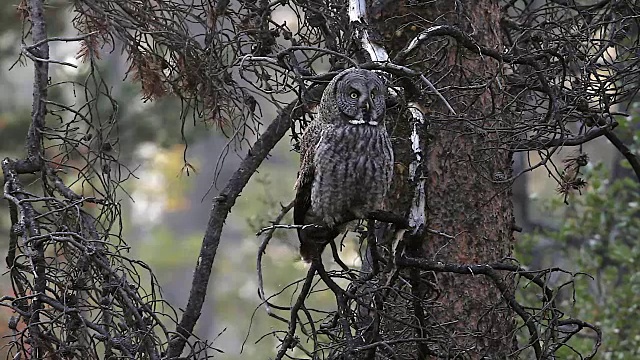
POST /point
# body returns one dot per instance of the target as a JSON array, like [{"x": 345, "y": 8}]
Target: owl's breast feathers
[
  {"x": 343, "y": 177},
  {"x": 353, "y": 170}
]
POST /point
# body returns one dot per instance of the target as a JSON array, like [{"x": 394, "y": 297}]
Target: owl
[{"x": 346, "y": 160}]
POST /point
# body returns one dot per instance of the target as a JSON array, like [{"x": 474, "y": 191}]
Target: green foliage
[{"x": 599, "y": 236}]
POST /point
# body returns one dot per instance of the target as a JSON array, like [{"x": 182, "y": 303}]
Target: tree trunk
[{"x": 464, "y": 168}]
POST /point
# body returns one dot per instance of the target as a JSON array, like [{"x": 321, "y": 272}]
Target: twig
[
  {"x": 433, "y": 88},
  {"x": 45, "y": 60},
  {"x": 626, "y": 152},
  {"x": 405, "y": 71},
  {"x": 263, "y": 247},
  {"x": 416, "y": 42},
  {"x": 289, "y": 339},
  {"x": 440, "y": 233},
  {"x": 577, "y": 140},
  {"x": 59, "y": 38},
  {"x": 273, "y": 227},
  {"x": 341, "y": 302},
  {"x": 469, "y": 43}
]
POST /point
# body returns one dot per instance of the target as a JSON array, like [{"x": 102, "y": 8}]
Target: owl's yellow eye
[{"x": 354, "y": 94}]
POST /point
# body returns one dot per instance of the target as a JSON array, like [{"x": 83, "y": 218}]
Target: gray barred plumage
[{"x": 346, "y": 162}]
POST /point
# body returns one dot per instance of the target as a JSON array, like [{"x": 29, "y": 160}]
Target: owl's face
[{"x": 360, "y": 95}]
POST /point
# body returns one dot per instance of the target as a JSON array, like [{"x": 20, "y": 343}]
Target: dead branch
[{"x": 222, "y": 205}]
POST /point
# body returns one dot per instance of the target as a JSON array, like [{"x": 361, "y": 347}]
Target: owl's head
[{"x": 360, "y": 97}]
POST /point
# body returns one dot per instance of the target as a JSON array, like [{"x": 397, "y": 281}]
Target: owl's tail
[
  {"x": 308, "y": 249},
  {"x": 313, "y": 240}
]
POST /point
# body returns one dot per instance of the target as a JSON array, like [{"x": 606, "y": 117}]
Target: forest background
[{"x": 165, "y": 209}]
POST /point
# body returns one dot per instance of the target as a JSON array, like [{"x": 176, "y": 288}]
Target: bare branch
[
  {"x": 222, "y": 205},
  {"x": 626, "y": 152},
  {"x": 39, "y": 51}
]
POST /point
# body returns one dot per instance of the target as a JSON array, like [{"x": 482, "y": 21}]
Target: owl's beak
[{"x": 368, "y": 105}]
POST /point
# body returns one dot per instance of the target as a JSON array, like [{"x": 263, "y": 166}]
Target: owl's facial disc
[{"x": 362, "y": 101}]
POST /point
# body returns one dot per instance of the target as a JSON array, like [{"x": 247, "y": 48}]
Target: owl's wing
[
  {"x": 312, "y": 240},
  {"x": 306, "y": 174},
  {"x": 303, "y": 195},
  {"x": 302, "y": 204}
]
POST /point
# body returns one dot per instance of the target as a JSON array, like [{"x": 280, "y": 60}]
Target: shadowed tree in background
[{"x": 471, "y": 83}]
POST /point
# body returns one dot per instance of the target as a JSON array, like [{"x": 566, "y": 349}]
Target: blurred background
[{"x": 165, "y": 210}]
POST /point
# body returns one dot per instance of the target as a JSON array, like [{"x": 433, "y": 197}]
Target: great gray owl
[{"x": 346, "y": 161}]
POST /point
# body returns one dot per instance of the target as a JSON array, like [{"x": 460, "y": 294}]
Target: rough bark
[{"x": 463, "y": 197}]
